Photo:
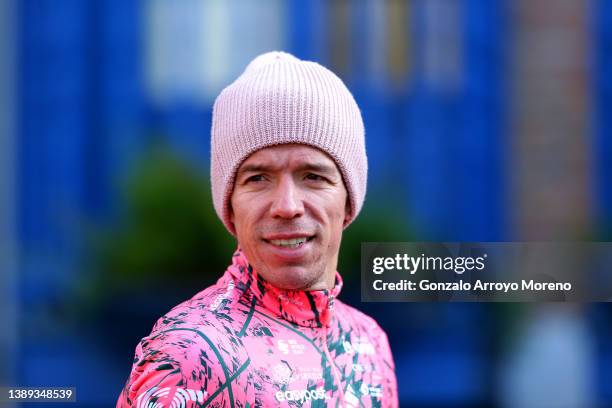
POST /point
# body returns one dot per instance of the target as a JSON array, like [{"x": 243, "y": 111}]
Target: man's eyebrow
[
  {"x": 254, "y": 168},
  {"x": 318, "y": 168}
]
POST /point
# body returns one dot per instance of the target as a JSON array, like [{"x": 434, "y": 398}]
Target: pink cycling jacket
[{"x": 244, "y": 343}]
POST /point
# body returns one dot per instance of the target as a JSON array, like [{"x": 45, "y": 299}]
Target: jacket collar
[{"x": 312, "y": 308}]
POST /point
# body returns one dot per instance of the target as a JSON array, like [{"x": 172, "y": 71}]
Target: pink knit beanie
[{"x": 280, "y": 99}]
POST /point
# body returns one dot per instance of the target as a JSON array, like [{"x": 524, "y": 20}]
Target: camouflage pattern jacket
[{"x": 244, "y": 343}]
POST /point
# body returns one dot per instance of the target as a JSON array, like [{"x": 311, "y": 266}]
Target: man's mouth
[{"x": 289, "y": 243}]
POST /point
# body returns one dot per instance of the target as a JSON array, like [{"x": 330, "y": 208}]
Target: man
[{"x": 288, "y": 169}]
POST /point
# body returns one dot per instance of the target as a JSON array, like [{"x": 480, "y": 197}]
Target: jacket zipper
[{"x": 335, "y": 372}]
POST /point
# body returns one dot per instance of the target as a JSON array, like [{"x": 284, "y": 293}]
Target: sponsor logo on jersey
[
  {"x": 283, "y": 374},
  {"x": 309, "y": 373},
  {"x": 156, "y": 397},
  {"x": 301, "y": 395},
  {"x": 373, "y": 390},
  {"x": 359, "y": 346},
  {"x": 290, "y": 346},
  {"x": 367, "y": 367},
  {"x": 352, "y": 400}
]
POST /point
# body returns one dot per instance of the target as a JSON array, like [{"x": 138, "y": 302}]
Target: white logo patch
[
  {"x": 359, "y": 346},
  {"x": 150, "y": 399},
  {"x": 290, "y": 346}
]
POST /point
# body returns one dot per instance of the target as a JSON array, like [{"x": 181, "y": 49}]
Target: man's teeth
[{"x": 289, "y": 243}]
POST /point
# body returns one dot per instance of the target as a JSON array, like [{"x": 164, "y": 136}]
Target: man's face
[{"x": 288, "y": 207}]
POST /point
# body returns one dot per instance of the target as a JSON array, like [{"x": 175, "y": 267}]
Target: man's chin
[{"x": 290, "y": 277}]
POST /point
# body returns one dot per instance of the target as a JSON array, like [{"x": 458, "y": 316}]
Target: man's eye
[
  {"x": 255, "y": 178},
  {"x": 315, "y": 177}
]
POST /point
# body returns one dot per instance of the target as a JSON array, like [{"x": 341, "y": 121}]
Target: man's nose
[{"x": 287, "y": 200}]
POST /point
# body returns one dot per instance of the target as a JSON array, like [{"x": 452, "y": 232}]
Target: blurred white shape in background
[
  {"x": 552, "y": 363},
  {"x": 194, "y": 48},
  {"x": 377, "y": 40},
  {"x": 442, "y": 48}
]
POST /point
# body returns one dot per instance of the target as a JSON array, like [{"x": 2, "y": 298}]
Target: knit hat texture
[{"x": 280, "y": 99}]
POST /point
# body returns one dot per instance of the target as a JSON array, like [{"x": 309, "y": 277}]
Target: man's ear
[
  {"x": 347, "y": 211},
  {"x": 230, "y": 212}
]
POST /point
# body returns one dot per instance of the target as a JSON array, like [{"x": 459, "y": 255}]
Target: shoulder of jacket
[
  {"x": 215, "y": 307},
  {"x": 346, "y": 310},
  {"x": 195, "y": 346},
  {"x": 359, "y": 317},
  {"x": 369, "y": 327},
  {"x": 184, "y": 359}
]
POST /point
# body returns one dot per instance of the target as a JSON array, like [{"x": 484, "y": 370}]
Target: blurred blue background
[{"x": 485, "y": 121}]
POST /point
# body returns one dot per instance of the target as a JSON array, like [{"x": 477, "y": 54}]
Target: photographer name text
[{"x": 478, "y": 285}]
